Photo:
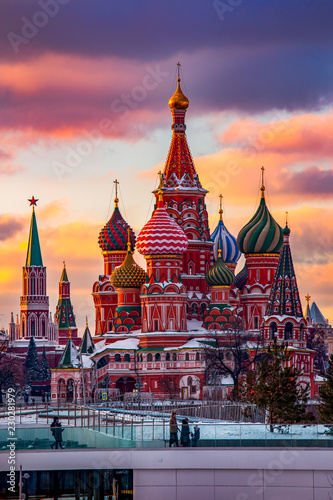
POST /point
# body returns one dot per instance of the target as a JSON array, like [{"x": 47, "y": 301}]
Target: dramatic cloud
[{"x": 9, "y": 227}]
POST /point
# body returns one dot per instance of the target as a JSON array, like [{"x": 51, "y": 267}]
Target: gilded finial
[
  {"x": 64, "y": 263},
  {"x": 307, "y": 298},
  {"x": 161, "y": 179},
  {"x": 116, "y": 200},
  {"x": 129, "y": 245},
  {"x": 219, "y": 252},
  {"x": 70, "y": 332},
  {"x": 178, "y": 100},
  {"x": 287, "y": 219},
  {"x": 86, "y": 321},
  {"x": 262, "y": 183},
  {"x": 221, "y": 211}
]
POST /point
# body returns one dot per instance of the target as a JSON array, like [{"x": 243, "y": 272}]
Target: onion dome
[
  {"x": 161, "y": 235},
  {"x": 113, "y": 236},
  {"x": 129, "y": 274},
  {"x": 242, "y": 277},
  {"x": 230, "y": 252},
  {"x": 220, "y": 274},
  {"x": 178, "y": 100},
  {"x": 262, "y": 234}
]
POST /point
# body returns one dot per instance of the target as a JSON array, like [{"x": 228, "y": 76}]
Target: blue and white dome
[{"x": 229, "y": 248}]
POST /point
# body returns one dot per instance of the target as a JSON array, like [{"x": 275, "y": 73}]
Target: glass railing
[{"x": 156, "y": 434}]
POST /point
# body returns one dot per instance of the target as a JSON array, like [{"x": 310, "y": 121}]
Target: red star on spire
[{"x": 33, "y": 201}]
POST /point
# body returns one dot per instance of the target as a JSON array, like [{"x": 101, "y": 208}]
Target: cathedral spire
[
  {"x": 64, "y": 276},
  {"x": 34, "y": 254},
  {"x": 284, "y": 299}
]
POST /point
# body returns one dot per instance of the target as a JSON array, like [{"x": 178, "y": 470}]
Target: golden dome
[{"x": 178, "y": 100}]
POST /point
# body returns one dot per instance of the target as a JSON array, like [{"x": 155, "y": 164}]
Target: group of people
[{"x": 187, "y": 438}]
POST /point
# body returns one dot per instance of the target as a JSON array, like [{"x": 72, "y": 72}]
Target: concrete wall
[{"x": 203, "y": 474}]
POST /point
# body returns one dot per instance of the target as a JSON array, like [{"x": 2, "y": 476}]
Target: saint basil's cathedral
[{"x": 151, "y": 326}]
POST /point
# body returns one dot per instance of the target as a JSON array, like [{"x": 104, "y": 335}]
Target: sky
[{"x": 84, "y": 89}]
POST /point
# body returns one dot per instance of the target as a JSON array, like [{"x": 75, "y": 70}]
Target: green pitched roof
[
  {"x": 64, "y": 276},
  {"x": 34, "y": 255},
  {"x": 69, "y": 358},
  {"x": 87, "y": 345}
]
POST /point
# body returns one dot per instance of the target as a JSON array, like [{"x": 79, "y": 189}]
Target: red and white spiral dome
[{"x": 161, "y": 235}]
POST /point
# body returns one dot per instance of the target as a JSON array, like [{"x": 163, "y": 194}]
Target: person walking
[
  {"x": 195, "y": 435},
  {"x": 173, "y": 430},
  {"x": 185, "y": 433},
  {"x": 57, "y": 431}
]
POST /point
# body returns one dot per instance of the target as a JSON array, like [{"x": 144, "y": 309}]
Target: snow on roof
[
  {"x": 190, "y": 344},
  {"x": 124, "y": 344},
  {"x": 87, "y": 361}
]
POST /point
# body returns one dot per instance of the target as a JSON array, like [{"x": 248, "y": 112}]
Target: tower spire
[
  {"x": 116, "y": 200},
  {"x": 262, "y": 189},
  {"x": 221, "y": 211},
  {"x": 34, "y": 254}
]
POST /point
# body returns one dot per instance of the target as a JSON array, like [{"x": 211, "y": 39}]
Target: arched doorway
[
  {"x": 70, "y": 390},
  {"x": 125, "y": 384}
]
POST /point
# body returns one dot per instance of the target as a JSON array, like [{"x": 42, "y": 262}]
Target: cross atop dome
[{"x": 262, "y": 189}]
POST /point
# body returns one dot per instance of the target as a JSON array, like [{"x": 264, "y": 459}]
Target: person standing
[
  {"x": 185, "y": 433},
  {"x": 173, "y": 430},
  {"x": 57, "y": 431},
  {"x": 195, "y": 435}
]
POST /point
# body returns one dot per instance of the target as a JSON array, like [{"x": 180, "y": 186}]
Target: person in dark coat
[
  {"x": 195, "y": 435},
  {"x": 57, "y": 431},
  {"x": 173, "y": 430},
  {"x": 185, "y": 433}
]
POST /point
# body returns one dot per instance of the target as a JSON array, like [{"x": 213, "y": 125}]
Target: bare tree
[
  {"x": 11, "y": 369},
  {"x": 168, "y": 385},
  {"x": 230, "y": 352}
]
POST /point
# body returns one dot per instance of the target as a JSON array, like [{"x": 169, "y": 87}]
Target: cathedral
[{"x": 151, "y": 325}]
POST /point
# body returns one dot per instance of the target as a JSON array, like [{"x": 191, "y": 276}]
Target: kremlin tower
[
  {"x": 260, "y": 240},
  {"x": 34, "y": 304},
  {"x": 184, "y": 198},
  {"x": 65, "y": 317},
  {"x": 113, "y": 243}
]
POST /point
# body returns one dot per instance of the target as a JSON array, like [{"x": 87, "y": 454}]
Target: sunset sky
[{"x": 84, "y": 89}]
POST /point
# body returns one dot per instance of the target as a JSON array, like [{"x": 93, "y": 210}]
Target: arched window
[
  {"x": 197, "y": 356},
  {"x": 288, "y": 331},
  {"x": 203, "y": 308},
  {"x": 187, "y": 357},
  {"x": 125, "y": 298},
  {"x": 167, "y": 356},
  {"x": 190, "y": 269},
  {"x": 43, "y": 327},
  {"x": 174, "y": 357},
  {"x": 23, "y": 328},
  {"x": 101, "y": 362},
  {"x": 194, "y": 309},
  {"x": 301, "y": 332},
  {"x": 127, "y": 358},
  {"x": 33, "y": 327},
  {"x": 157, "y": 357},
  {"x": 157, "y": 274},
  {"x": 149, "y": 357},
  {"x": 273, "y": 330},
  {"x": 189, "y": 381},
  {"x": 117, "y": 358}
]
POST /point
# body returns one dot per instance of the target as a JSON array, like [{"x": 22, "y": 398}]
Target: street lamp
[{"x": 138, "y": 384}]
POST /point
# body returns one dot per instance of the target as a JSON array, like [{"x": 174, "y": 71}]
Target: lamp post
[{"x": 138, "y": 384}]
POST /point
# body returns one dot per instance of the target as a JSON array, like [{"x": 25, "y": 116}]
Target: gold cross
[
  {"x": 221, "y": 211},
  {"x": 307, "y": 298},
  {"x": 116, "y": 184}
]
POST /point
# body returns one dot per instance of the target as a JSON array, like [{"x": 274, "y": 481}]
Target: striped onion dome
[
  {"x": 242, "y": 277},
  {"x": 229, "y": 248},
  {"x": 161, "y": 235},
  {"x": 220, "y": 274},
  {"x": 129, "y": 274},
  {"x": 262, "y": 234},
  {"x": 113, "y": 236}
]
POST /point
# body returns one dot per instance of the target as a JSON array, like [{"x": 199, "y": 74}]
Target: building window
[
  {"x": 157, "y": 357},
  {"x": 256, "y": 322},
  {"x": 117, "y": 358},
  {"x": 273, "y": 330},
  {"x": 43, "y": 327},
  {"x": 167, "y": 357},
  {"x": 187, "y": 357},
  {"x": 157, "y": 274},
  {"x": 125, "y": 298},
  {"x": 174, "y": 357},
  {"x": 288, "y": 331},
  {"x": 258, "y": 275},
  {"x": 194, "y": 309},
  {"x": 149, "y": 357},
  {"x": 127, "y": 358},
  {"x": 155, "y": 324},
  {"x": 197, "y": 357},
  {"x": 33, "y": 327}
]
